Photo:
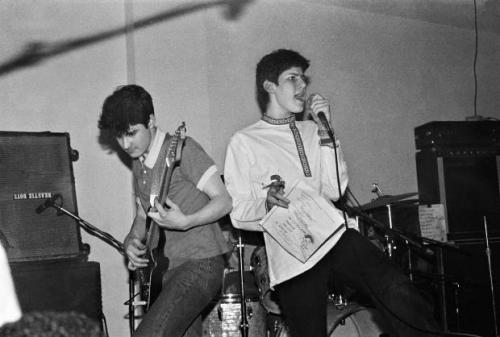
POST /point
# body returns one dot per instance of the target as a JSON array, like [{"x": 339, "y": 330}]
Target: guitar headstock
[{"x": 175, "y": 146}]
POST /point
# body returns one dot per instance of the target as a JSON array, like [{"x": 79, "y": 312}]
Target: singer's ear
[
  {"x": 152, "y": 121},
  {"x": 268, "y": 86}
]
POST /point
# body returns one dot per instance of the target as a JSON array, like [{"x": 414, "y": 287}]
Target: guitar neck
[{"x": 165, "y": 185}]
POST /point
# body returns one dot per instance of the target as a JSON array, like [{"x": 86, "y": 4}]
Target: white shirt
[
  {"x": 9, "y": 310},
  {"x": 263, "y": 149}
]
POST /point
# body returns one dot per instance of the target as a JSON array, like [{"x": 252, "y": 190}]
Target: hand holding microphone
[{"x": 319, "y": 108}]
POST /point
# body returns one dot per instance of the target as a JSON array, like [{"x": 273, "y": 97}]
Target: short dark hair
[
  {"x": 128, "y": 105},
  {"x": 270, "y": 68}
]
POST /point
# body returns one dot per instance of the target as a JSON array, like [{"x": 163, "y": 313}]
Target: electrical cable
[{"x": 337, "y": 175}]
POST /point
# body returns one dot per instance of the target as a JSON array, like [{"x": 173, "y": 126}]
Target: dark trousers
[
  {"x": 187, "y": 290},
  {"x": 357, "y": 263}
]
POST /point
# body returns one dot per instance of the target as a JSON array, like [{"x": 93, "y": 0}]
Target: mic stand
[
  {"x": 492, "y": 287},
  {"x": 427, "y": 251},
  {"x": 92, "y": 230},
  {"x": 115, "y": 244},
  {"x": 380, "y": 225},
  {"x": 244, "y": 321}
]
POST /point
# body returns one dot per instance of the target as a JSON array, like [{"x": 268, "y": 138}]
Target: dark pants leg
[
  {"x": 303, "y": 301},
  {"x": 357, "y": 263},
  {"x": 187, "y": 290}
]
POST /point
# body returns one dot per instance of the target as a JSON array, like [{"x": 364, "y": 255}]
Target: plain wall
[{"x": 384, "y": 75}]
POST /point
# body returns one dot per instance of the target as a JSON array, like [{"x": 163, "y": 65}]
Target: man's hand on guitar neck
[
  {"x": 135, "y": 249},
  {"x": 170, "y": 217}
]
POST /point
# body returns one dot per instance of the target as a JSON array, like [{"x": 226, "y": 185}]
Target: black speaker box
[
  {"x": 466, "y": 295},
  {"x": 59, "y": 285},
  {"x": 464, "y": 177},
  {"x": 36, "y": 166}
]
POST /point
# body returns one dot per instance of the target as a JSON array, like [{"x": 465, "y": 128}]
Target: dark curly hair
[
  {"x": 270, "y": 68},
  {"x": 128, "y": 105}
]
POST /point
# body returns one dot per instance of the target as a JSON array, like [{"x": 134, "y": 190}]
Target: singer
[{"x": 302, "y": 150}]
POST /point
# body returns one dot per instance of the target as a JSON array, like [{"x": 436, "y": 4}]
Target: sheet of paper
[
  {"x": 432, "y": 222},
  {"x": 298, "y": 237}
]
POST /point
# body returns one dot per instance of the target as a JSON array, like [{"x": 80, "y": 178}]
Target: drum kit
[{"x": 248, "y": 307}]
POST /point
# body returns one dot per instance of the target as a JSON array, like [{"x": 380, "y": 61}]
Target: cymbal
[{"x": 385, "y": 200}]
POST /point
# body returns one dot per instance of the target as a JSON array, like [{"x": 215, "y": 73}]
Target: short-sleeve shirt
[{"x": 185, "y": 190}]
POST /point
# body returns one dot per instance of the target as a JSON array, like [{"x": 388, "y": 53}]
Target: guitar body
[{"x": 150, "y": 277}]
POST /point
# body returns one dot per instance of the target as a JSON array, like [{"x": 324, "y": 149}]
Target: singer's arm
[
  {"x": 334, "y": 175},
  {"x": 319, "y": 109}
]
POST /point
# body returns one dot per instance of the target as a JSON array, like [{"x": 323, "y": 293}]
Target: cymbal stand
[
  {"x": 388, "y": 240},
  {"x": 444, "y": 280},
  {"x": 391, "y": 245},
  {"x": 492, "y": 287},
  {"x": 410, "y": 263},
  {"x": 244, "y": 320}
]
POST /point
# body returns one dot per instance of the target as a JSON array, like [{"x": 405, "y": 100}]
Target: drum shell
[
  {"x": 224, "y": 320},
  {"x": 259, "y": 265},
  {"x": 349, "y": 321}
]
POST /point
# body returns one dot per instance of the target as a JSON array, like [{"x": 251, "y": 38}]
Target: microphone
[
  {"x": 48, "y": 203},
  {"x": 324, "y": 121},
  {"x": 321, "y": 116}
]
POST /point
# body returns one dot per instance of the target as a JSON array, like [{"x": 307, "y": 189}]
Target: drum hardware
[
  {"x": 376, "y": 189},
  {"x": 388, "y": 240},
  {"x": 244, "y": 321},
  {"x": 338, "y": 300},
  {"x": 385, "y": 200},
  {"x": 258, "y": 262},
  {"x": 237, "y": 312},
  {"x": 443, "y": 279},
  {"x": 456, "y": 289}
]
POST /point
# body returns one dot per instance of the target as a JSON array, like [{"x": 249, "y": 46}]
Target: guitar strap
[
  {"x": 158, "y": 241},
  {"x": 158, "y": 170}
]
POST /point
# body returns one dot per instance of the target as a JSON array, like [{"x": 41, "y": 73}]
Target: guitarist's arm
[
  {"x": 219, "y": 205},
  {"x": 133, "y": 243}
]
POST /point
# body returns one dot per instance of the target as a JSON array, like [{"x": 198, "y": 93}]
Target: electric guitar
[{"x": 149, "y": 277}]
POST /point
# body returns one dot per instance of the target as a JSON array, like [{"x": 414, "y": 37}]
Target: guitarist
[{"x": 196, "y": 199}]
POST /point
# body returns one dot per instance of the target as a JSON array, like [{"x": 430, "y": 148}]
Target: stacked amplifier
[
  {"x": 45, "y": 251},
  {"x": 458, "y": 166}
]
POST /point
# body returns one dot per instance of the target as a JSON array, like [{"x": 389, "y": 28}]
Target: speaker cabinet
[
  {"x": 466, "y": 295},
  {"x": 458, "y": 165},
  {"x": 35, "y": 166},
  {"x": 59, "y": 286}
]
